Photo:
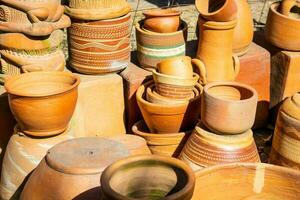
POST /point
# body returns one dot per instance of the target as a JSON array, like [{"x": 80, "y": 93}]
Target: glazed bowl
[
  {"x": 228, "y": 107},
  {"x": 148, "y": 177},
  {"x": 180, "y": 66},
  {"x": 43, "y": 102}
]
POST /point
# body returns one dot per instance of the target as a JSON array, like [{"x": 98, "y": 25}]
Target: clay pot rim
[
  {"x": 219, "y": 25},
  {"x": 229, "y": 83},
  {"x": 11, "y": 79},
  {"x": 178, "y": 80},
  {"x": 161, "y": 12},
  {"x": 197, "y": 2},
  {"x": 289, "y": 117},
  {"x": 273, "y": 8},
  {"x": 165, "y": 160}
]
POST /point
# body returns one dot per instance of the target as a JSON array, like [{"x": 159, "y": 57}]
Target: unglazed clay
[
  {"x": 287, "y": 5},
  {"x": 148, "y": 177}
]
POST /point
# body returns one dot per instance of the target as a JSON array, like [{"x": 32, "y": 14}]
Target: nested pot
[
  {"x": 74, "y": 165},
  {"x": 101, "y": 46},
  {"x": 148, "y": 177},
  {"x": 205, "y": 148},
  {"x": 228, "y": 107},
  {"x": 287, "y": 6},
  {"x": 43, "y": 102},
  {"x": 154, "y": 47}
]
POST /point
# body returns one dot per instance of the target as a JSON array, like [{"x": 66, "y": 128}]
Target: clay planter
[
  {"x": 148, "y": 177},
  {"x": 162, "y": 20},
  {"x": 168, "y": 118},
  {"x": 219, "y": 11},
  {"x": 161, "y": 144},
  {"x": 282, "y": 31},
  {"x": 228, "y": 107},
  {"x": 154, "y": 47},
  {"x": 205, "y": 148},
  {"x": 75, "y": 165},
  {"x": 43, "y": 102},
  {"x": 286, "y": 7}
]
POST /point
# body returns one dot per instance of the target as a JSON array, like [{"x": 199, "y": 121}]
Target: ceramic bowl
[
  {"x": 180, "y": 66},
  {"x": 228, "y": 107},
  {"x": 43, "y": 102}
]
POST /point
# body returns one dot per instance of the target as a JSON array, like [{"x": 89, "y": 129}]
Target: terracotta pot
[
  {"x": 168, "y": 118},
  {"x": 228, "y": 107},
  {"x": 259, "y": 181},
  {"x": 154, "y": 47},
  {"x": 75, "y": 165},
  {"x": 101, "y": 46},
  {"x": 178, "y": 66},
  {"x": 162, "y": 20},
  {"x": 148, "y": 177},
  {"x": 205, "y": 148},
  {"x": 287, "y": 5},
  {"x": 215, "y": 50},
  {"x": 219, "y": 11},
  {"x": 282, "y": 31},
  {"x": 43, "y": 102},
  {"x": 291, "y": 106}
]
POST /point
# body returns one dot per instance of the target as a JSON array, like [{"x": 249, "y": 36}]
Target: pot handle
[
  {"x": 201, "y": 70},
  {"x": 236, "y": 65}
]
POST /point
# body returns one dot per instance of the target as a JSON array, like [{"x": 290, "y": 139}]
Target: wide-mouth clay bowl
[
  {"x": 148, "y": 177},
  {"x": 180, "y": 66},
  {"x": 228, "y": 107},
  {"x": 43, "y": 102},
  {"x": 245, "y": 181}
]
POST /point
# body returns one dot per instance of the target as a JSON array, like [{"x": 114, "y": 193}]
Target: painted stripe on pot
[
  {"x": 160, "y": 53},
  {"x": 99, "y": 45}
]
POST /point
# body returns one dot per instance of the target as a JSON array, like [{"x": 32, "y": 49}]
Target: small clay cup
[
  {"x": 162, "y": 20},
  {"x": 148, "y": 177},
  {"x": 228, "y": 107}
]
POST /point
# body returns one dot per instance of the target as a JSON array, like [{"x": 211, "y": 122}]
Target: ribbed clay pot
[
  {"x": 286, "y": 7},
  {"x": 74, "y": 165},
  {"x": 154, "y": 47},
  {"x": 205, "y": 148},
  {"x": 228, "y": 107},
  {"x": 43, "y": 102},
  {"x": 245, "y": 181},
  {"x": 148, "y": 177},
  {"x": 168, "y": 118},
  {"x": 162, "y": 20},
  {"x": 282, "y": 31},
  {"x": 101, "y": 46}
]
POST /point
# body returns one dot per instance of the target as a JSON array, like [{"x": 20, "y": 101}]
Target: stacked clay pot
[
  {"x": 31, "y": 38},
  {"x": 99, "y": 36},
  {"x": 224, "y": 134}
]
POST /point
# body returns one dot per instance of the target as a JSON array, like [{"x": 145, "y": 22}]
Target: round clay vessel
[
  {"x": 43, "y": 102},
  {"x": 228, "y": 107},
  {"x": 282, "y": 31},
  {"x": 216, "y": 10},
  {"x": 291, "y": 106},
  {"x": 75, "y": 165},
  {"x": 162, "y": 20},
  {"x": 178, "y": 66},
  {"x": 148, "y": 177}
]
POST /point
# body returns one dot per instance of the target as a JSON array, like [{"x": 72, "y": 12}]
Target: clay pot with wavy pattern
[
  {"x": 148, "y": 177},
  {"x": 154, "y": 47},
  {"x": 43, "y": 102},
  {"x": 205, "y": 148},
  {"x": 98, "y": 47},
  {"x": 247, "y": 181},
  {"x": 228, "y": 107}
]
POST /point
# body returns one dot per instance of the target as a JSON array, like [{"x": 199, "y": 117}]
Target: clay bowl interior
[
  {"x": 230, "y": 92},
  {"x": 211, "y": 7},
  {"x": 161, "y": 12}
]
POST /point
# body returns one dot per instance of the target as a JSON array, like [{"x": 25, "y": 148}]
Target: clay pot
[
  {"x": 43, "y": 102},
  {"x": 74, "y": 165},
  {"x": 291, "y": 106},
  {"x": 282, "y": 31},
  {"x": 148, "y": 177},
  {"x": 168, "y": 118},
  {"x": 153, "y": 47},
  {"x": 228, "y": 107},
  {"x": 162, "y": 20},
  {"x": 286, "y": 7},
  {"x": 215, "y": 10},
  {"x": 102, "y": 46},
  {"x": 247, "y": 181},
  {"x": 205, "y": 148},
  {"x": 215, "y": 50},
  {"x": 161, "y": 144}
]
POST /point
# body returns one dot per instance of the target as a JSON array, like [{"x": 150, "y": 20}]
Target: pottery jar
[
  {"x": 148, "y": 177},
  {"x": 216, "y": 10},
  {"x": 154, "y": 47},
  {"x": 247, "y": 181},
  {"x": 286, "y": 7},
  {"x": 74, "y": 165},
  {"x": 228, "y": 107},
  {"x": 43, "y": 102},
  {"x": 101, "y": 46}
]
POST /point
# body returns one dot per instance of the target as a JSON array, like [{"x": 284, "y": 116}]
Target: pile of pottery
[
  {"x": 99, "y": 36},
  {"x": 31, "y": 38}
]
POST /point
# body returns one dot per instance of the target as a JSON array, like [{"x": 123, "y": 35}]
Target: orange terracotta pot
[{"x": 180, "y": 66}]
